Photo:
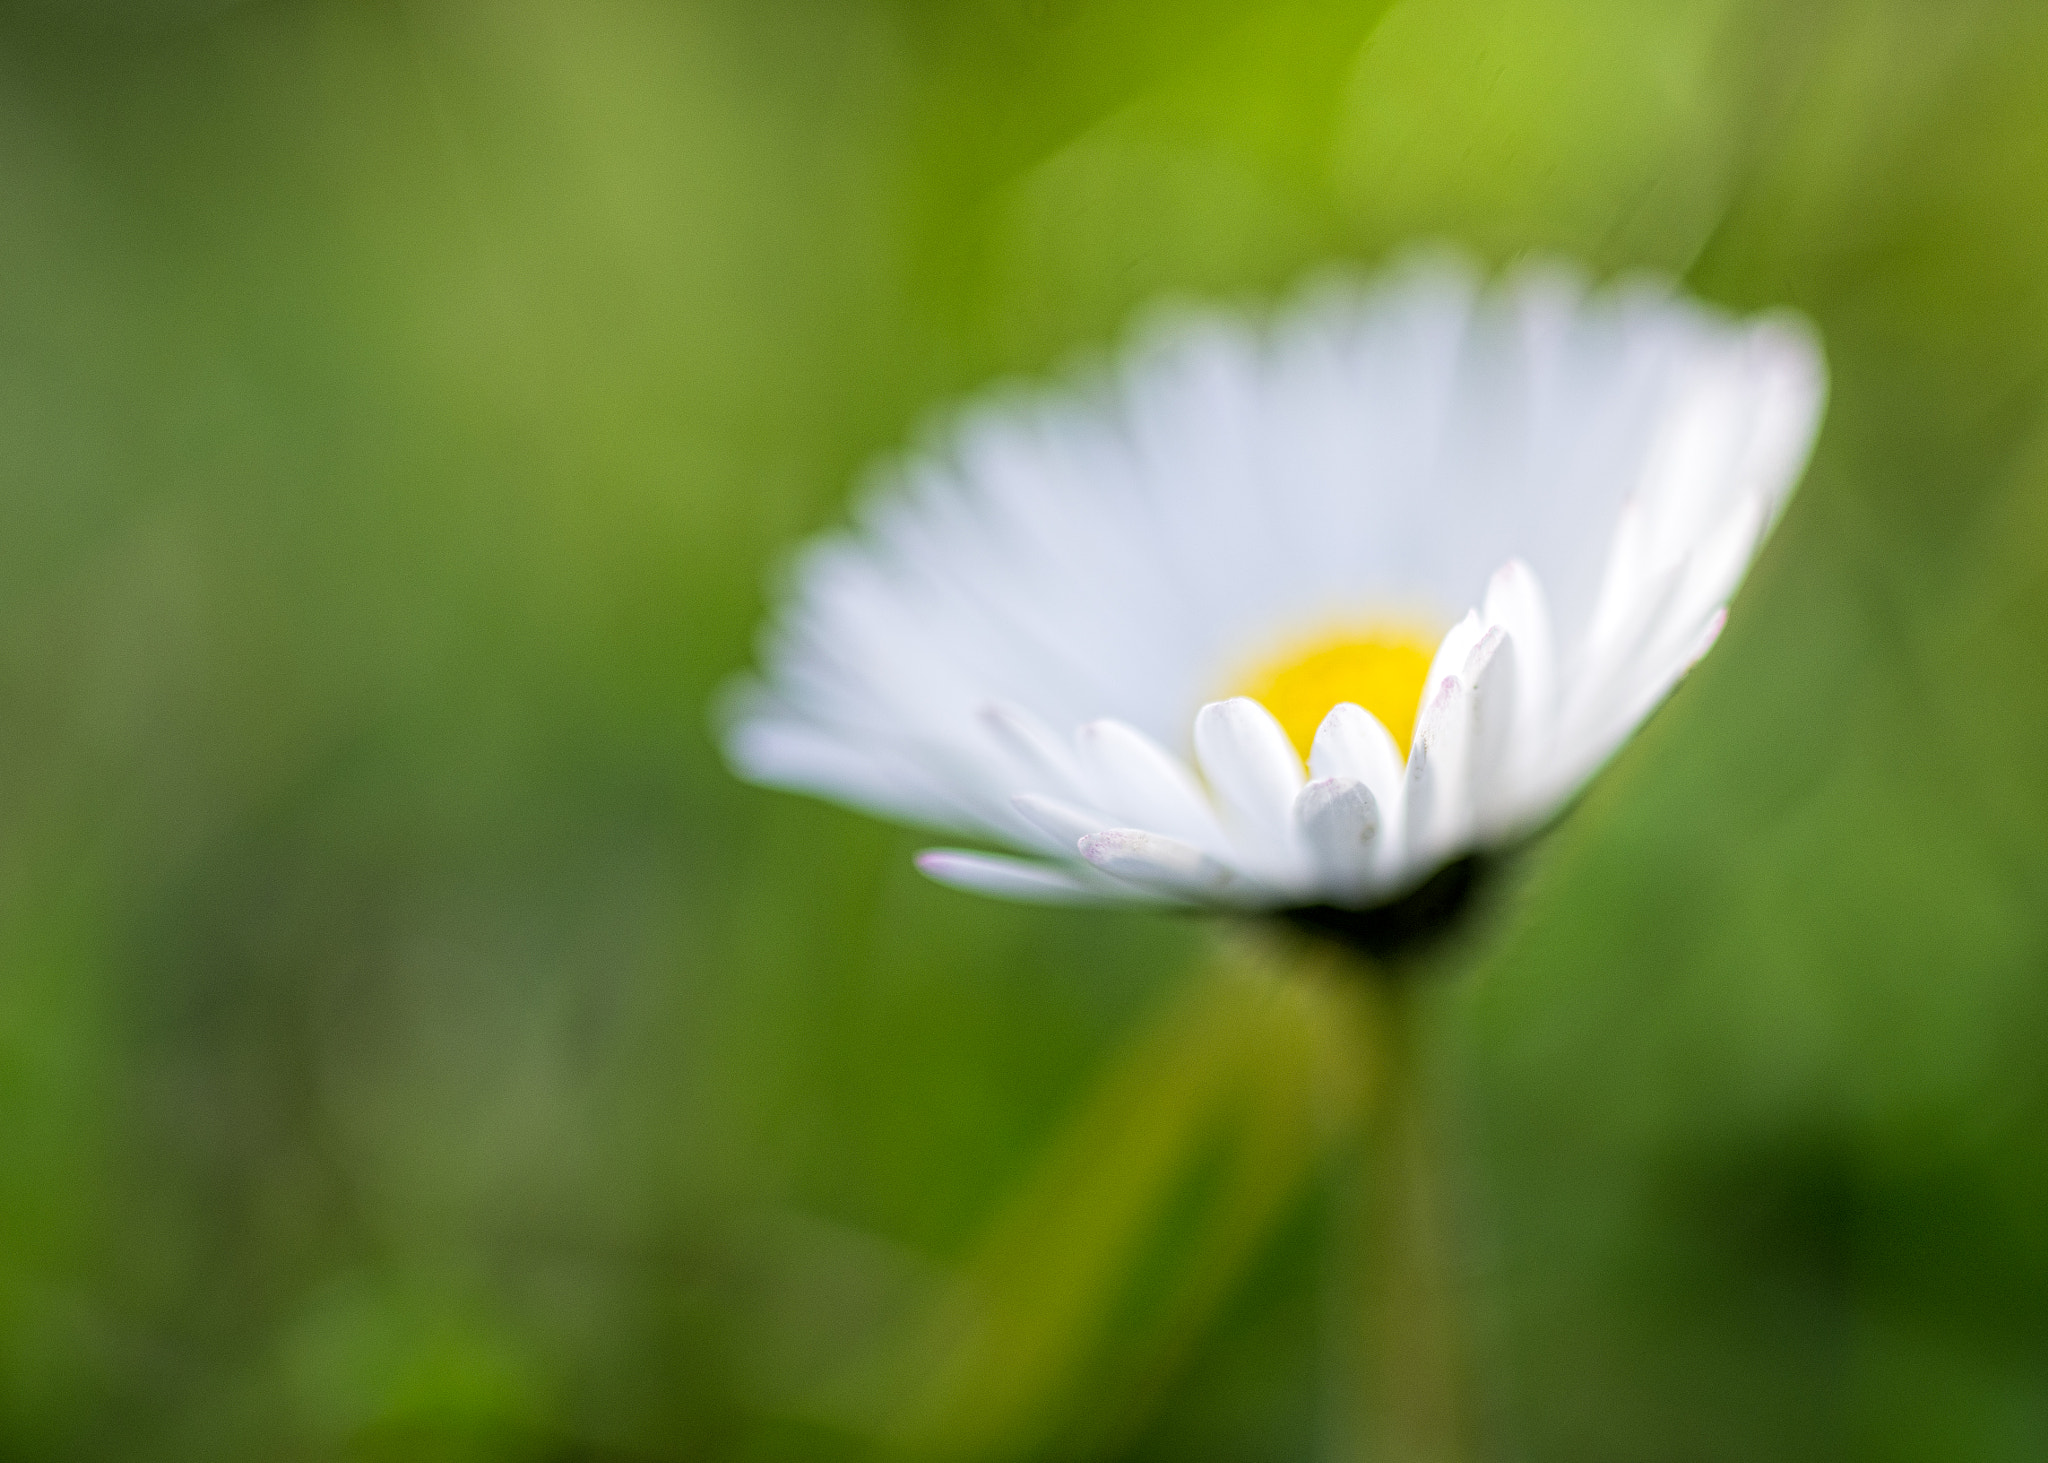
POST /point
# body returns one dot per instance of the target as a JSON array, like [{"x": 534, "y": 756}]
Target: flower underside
[{"x": 1382, "y": 669}]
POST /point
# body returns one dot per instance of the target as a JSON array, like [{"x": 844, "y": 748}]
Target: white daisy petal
[
  {"x": 1494, "y": 718},
  {"x": 1704, "y": 641},
  {"x": 1036, "y": 752},
  {"x": 1713, "y": 570},
  {"x": 1622, "y": 587},
  {"x": 1339, "y": 820},
  {"x": 1453, "y": 651},
  {"x": 1436, "y": 798},
  {"x": 787, "y": 753},
  {"x": 1611, "y": 668},
  {"x": 1005, "y": 878},
  {"x": 1255, "y": 773},
  {"x": 1351, "y": 743},
  {"x": 1515, "y": 602},
  {"x": 1049, "y": 615},
  {"x": 1154, "y": 861},
  {"x": 1136, "y": 779},
  {"x": 1789, "y": 387},
  {"x": 1603, "y": 740},
  {"x": 1060, "y": 824}
]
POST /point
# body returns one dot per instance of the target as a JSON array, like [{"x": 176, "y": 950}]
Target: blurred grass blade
[{"x": 1149, "y": 1203}]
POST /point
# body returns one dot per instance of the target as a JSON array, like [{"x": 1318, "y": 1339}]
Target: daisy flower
[{"x": 1289, "y": 613}]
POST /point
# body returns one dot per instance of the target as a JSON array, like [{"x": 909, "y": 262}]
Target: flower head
[{"x": 1297, "y": 613}]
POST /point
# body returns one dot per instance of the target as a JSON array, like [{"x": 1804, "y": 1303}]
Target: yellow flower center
[{"x": 1382, "y": 669}]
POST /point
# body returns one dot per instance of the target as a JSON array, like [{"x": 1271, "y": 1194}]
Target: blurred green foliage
[{"x": 414, "y": 1045}]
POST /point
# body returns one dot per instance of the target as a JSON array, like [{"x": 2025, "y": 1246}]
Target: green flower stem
[{"x": 1402, "y": 1369}]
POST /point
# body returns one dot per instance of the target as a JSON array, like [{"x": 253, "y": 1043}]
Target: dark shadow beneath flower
[{"x": 1391, "y": 934}]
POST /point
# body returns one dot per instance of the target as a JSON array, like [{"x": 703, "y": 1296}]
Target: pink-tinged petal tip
[{"x": 1003, "y": 878}]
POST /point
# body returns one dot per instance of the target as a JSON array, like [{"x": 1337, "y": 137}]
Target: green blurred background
[{"x": 413, "y": 1044}]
